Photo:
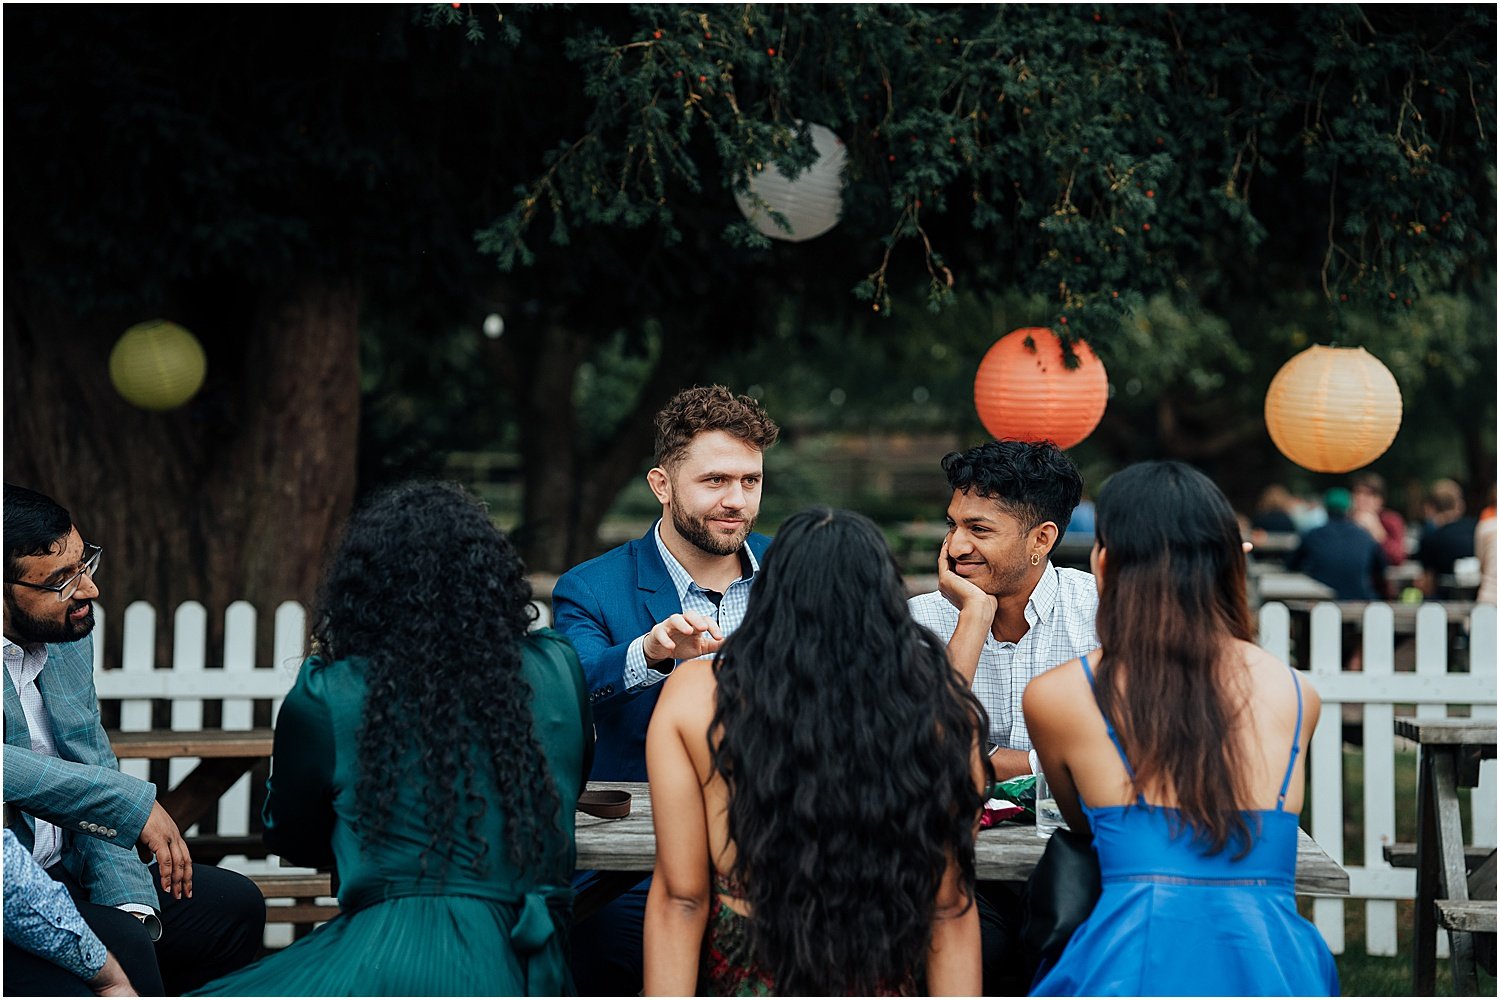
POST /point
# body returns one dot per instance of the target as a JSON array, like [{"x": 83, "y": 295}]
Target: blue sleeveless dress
[{"x": 1173, "y": 921}]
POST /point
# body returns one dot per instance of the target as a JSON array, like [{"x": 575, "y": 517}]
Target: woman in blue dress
[{"x": 1178, "y": 745}]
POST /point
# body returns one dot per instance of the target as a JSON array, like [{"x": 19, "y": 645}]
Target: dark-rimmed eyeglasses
[{"x": 69, "y": 587}]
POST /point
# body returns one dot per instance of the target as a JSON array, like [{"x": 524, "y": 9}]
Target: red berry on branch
[
  {"x": 1063, "y": 320},
  {"x": 1146, "y": 226},
  {"x": 1150, "y": 194},
  {"x": 891, "y": 157},
  {"x": 1393, "y": 296},
  {"x": 953, "y": 140},
  {"x": 656, "y": 33},
  {"x": 702, "y": 78}
]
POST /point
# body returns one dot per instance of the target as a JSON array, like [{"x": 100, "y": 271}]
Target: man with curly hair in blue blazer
[{"x": 638, "y": 610}]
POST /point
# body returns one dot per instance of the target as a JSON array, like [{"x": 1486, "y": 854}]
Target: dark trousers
[
  {"x": 210, "y": 935},
  {"x": 1007, "y": 969},
  {"x": 27, "y": 975},
  {"x": 609, "y": 957}
]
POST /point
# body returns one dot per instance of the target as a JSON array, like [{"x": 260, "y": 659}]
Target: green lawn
[{"x": 1372, "y": 975}]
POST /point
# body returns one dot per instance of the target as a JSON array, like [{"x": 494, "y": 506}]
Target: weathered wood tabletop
[{"x": 1005, "y": 853}]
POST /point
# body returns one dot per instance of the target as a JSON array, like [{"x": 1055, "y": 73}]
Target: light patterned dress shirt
[
  {"x": 728, "y": 612},
  {"x": 40, "y": 916},
  {"x": 24, "y": 664},
  {"x": 1060, "y": 613}
]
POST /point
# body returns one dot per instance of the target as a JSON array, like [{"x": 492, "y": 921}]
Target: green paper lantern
[{"x": 157, "y": 365}]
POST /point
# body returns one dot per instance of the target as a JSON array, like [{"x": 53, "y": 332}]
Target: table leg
[
  {"x": 1424, "y": 958},
  {"x": 1453, "y": 881},
  {"x": 197, "y": 794}
]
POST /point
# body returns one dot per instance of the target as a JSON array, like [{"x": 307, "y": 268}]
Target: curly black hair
[
  {"x": 848, "y": 743},
  {"x": 431, "y": 601},
  {"x": 1034, "y": 480}
]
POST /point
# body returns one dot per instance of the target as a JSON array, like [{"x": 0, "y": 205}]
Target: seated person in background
[
  {"x": 49, "y": 950},
  {"x": 816, "y": 790},
  {"x": 1195, "y": 822},
  {"x": 1007, "y": 614},
  {"x": 174, "y": 928},
  {"x": 1273, "y": 511},
  {"x": 432, "y": 750},
  {"x": 1448, "y": 537},
  {"x": 1369, "y": 511},
  {"x": 1484, "y": 548},
  {"x": 1341, "y": 554}
]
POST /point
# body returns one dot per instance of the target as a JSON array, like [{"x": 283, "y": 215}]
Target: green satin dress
[{"x": 403, "y": 931}]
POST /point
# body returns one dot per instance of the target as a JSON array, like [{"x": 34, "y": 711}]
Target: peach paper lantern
[
  {"x": 1032, "y": 395},
  {"x": 1333, "y": 409}
]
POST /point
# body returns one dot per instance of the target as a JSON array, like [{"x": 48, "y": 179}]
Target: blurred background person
[
  {"x": 1195, "y": 822},
  {"x": 1385, "y": 525},
  {"x": 431, "y": 751},
  {"x": 816, "y": 789},
  {"x": 1341, "y": 554},
  {"x": 1447, "y": 537},
  {"x": 1273, "y": 511},
  {"x": 1484, "y": 548}
]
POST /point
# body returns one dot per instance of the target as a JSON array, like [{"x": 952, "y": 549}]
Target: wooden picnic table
[
  {"x": 626, "y": 848},
  {"x": 1452, "y": 750},
  {"x": 224, "y": 756}
]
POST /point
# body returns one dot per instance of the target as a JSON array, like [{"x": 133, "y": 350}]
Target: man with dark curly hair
[
  {"x": 1007, "y": 614},
  {"x": 672, "y": 595}
]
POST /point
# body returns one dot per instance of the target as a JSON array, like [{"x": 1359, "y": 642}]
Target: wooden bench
[
  {"x": 1471, "y": 915},
  {"x": 304, "y": 891},
  {"x": 1404, "y": 855}
]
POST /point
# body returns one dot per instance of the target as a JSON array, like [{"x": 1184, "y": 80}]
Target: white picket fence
[
  {"x": 1432, "y": 688},
  {"x": 243, "y": 675}
]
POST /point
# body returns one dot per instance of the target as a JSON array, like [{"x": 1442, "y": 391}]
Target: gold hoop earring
[{"x": 1036, "y": 560}]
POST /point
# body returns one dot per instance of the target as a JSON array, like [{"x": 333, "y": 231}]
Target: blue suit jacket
[
  {"x": 100, "y": 811},
  {"x": 601, "y": 606}
]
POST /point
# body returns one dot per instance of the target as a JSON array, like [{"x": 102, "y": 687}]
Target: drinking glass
[{"x": 1048, "y": 816}]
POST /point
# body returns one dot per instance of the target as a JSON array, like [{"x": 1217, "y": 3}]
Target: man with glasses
[{"x": 72, "y": 808}]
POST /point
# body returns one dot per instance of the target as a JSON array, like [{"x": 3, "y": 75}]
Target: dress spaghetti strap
[
  {"x": 1291, "y": 765},
  {"x": 1108, "y": 726}
]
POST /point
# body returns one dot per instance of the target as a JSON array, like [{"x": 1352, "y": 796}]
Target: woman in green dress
[{"x": 430, "y": 752}]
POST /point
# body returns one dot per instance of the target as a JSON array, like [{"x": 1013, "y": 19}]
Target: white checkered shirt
[
  {"x": 728, "y": 612},
  {"x": 24, "y": 664},
  {"x": 1060, "y": 612}
]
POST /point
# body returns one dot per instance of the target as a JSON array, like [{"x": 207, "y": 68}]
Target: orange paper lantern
[
  {"x": 1026, "y": 392},
  {"x": 1333, "y": 409}
]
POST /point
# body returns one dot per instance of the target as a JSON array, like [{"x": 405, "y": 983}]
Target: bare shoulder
[
  {"x": 688, "y": 691},
  {"x": 1061, "y": 685},
  {"x": 1273, "y": 678}
]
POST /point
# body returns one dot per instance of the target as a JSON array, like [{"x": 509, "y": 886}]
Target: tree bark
[{"x": 234, "y": 496}]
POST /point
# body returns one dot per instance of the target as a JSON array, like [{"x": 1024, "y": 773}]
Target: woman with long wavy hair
[
  {"x": 1178, "y": 746},
  {"x": 816, "y": 789},
  {"x": 432, "y": 750}
]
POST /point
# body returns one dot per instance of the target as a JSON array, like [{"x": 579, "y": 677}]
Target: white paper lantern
[{"x": 811, "y": 203}]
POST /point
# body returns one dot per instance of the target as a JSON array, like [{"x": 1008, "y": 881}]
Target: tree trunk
[
  {"x": 569, "y": 484},
  {"x": 234, "y": 496}
]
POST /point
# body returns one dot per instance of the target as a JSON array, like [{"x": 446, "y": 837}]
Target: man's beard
[
  {"x": 696, "y": 531},
  {"x": 27, "y": 629}
]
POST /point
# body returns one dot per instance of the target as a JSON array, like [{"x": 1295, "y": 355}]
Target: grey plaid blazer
[{"x": 100, "y": 811}]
